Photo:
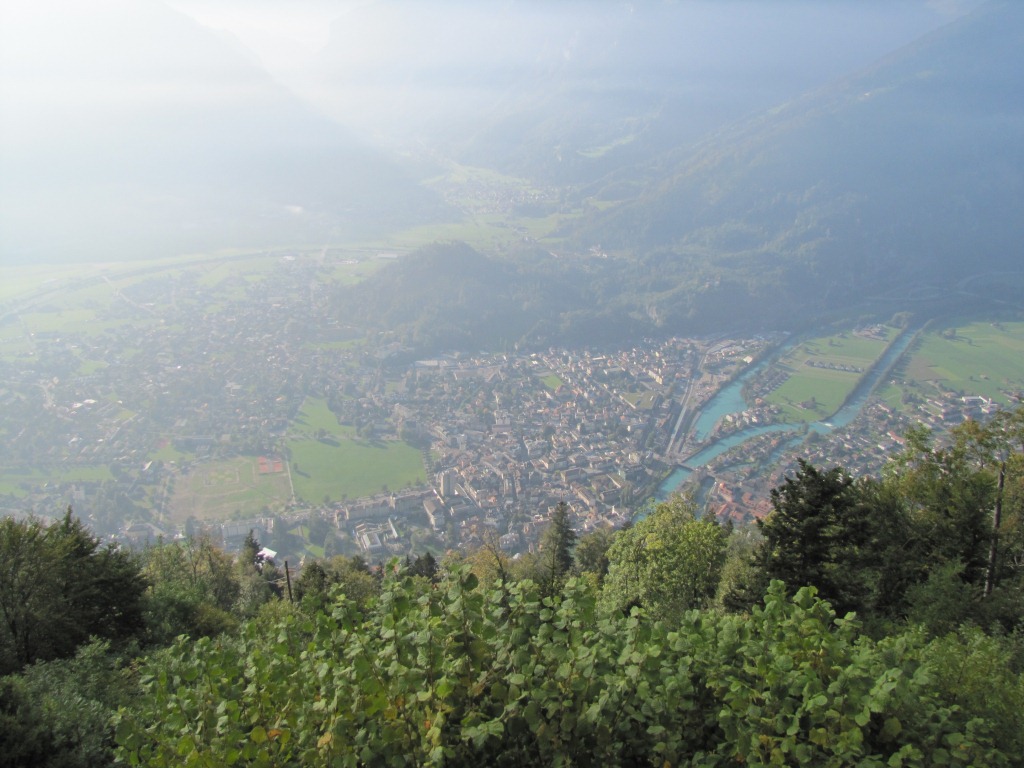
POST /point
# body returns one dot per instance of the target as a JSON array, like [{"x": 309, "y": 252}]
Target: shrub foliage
[{"x": 454, "y": 673}]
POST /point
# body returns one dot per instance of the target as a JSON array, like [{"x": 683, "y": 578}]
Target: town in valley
[{"x": 223, "y": 397}]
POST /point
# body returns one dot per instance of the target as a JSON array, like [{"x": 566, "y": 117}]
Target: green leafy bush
[{"x": 456, "y": 673}]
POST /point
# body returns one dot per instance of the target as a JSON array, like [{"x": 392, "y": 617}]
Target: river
[{"x": 730, "y": 400}]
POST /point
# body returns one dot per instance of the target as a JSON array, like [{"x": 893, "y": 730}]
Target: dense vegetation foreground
[
  {"x": 456, "y": 674},
  {"x": 869, "y": 622}
]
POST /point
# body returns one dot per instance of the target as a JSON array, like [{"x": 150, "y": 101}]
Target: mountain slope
[
  {"x": 567, "y": 92},
  {"x": 449, "y": 296},
  {"x": 131, "y": 131},
  {"x": 899, "y": 188},
  {"x": 907, "y": 175}
]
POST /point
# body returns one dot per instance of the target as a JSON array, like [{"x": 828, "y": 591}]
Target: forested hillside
[
  {"x": 450, "y": 296},
  {"x": 900, "y": 185},
  {"x": 902, "y": 180},
  {"x": 868, "y": 621}
]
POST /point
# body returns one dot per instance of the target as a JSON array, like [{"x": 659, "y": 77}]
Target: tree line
[{"x": 869, "y": 621}]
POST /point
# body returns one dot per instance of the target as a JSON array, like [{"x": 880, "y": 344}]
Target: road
[{"x": 685, "y": 405}]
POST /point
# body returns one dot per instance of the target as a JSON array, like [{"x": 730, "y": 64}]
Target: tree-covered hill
[
  {"x": 450, "y": 296},
  {"x": 906, "y": 176}
]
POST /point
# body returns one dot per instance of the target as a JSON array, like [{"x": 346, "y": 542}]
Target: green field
[
  {"x": 17, "y": 281},
  {"x": 977, "y": 358},
  {"x": 315, "y": 415},
  {"x": 552, "y": 382},
  {"x": 891, "y": 394},
  {"x": 61, "y": 320},
  {"x": 481, "y": 232},
  {"x": 479, "y": 224},
  {"x": 595, "y": 152},
  {"x": 88, "y": 367},
  {"x": 302, "y": 532},
  {"x": 13, "y": 343},
  {"x": 221, "y": 490},
  {"x": 329, "y": 461},
  {"x": 21, "y": 482},
  {"x": 17, "y": 482},
  {"x": 85, "y": 282},
  {"x": 352, "y": 271},
  {"x": 813, "y": 396},
  {"x": 822, "y": 372}
]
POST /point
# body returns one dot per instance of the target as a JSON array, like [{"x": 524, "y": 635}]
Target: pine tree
[
  {"x": 424, "y": 565},
  {"x": 249, "y": 558},
  {"x": 557, "y": 546}
]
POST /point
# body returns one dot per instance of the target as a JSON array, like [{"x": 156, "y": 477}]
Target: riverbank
[{"x": 730, "y": 400}]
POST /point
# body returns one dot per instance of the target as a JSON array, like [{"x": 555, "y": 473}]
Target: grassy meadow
[
  {"x": 329, "y": 461},
  {"x": 822, "y": 372},
  {"x": 981, "y": 358},
  {"x": 20, "y": 482}
]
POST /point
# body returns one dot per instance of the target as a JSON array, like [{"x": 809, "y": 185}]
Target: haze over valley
[
  {"x": 511, "y": 382},
  {"x": 380, "y": 244}
]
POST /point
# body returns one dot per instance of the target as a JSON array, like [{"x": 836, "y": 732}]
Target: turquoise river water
[{"x": 730, "y": 400}]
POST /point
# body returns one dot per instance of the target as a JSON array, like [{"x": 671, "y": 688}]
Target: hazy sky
[
  {"x": 283, "y": 33},
  {"x": 84, "y": 53}
]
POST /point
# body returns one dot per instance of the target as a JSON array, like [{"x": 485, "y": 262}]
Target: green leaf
[
  {"x": 186, "y": 744},
  {"x": 444, "y": 688},
  {"x": 955, "y": 739},
  {"x": 892, "y": 727},
  {"x": 819, "y": 701},
  {"x": 532, "y": 715}
]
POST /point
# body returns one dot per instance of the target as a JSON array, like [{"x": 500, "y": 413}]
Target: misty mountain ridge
[
  {"x": 898, "y": 183},
  {"x": 909, "y": 173},
  {"x": 569, "y": 92},
  {"x": 899, "y": 187},
  {"x": 164, "y": 137}
]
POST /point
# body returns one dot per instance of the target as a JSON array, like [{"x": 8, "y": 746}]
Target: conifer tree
[{"x": 557, "y": 546}]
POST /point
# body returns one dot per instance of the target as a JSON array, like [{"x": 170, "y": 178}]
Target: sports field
[
  {"x": 221, "y": 490},
  {"x": 552, "y": 382},
  {"x": 642, "y": 400}
]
